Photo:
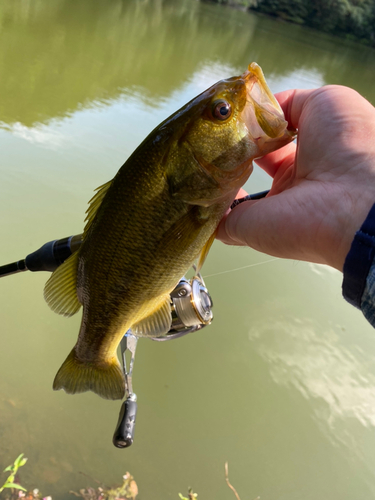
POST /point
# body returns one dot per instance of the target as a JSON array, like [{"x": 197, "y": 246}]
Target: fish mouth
[{"x": 262, "y": 114}]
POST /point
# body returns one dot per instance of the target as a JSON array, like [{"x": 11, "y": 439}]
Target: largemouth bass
[{"x": 146, "y": 227}]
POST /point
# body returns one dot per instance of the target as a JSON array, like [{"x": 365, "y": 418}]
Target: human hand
[{"x": 322, "y": 189}]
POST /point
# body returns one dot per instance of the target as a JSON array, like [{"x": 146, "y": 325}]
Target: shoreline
[{"x": 340, "y": 23}]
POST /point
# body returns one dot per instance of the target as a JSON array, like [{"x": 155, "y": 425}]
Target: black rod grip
[
  {"x": 124, "y": 433},
  {"x": 42, "y": 259},
  {"x": 52, "y": 254},
  {"x": 254, "y": 196},
  {"x": 46, "y": 258}
]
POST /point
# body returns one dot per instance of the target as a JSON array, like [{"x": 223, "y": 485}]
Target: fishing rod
[{"x": 191, "y": 310}]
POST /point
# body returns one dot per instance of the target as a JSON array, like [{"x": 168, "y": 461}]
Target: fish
[{"x": 157, "y": 216}]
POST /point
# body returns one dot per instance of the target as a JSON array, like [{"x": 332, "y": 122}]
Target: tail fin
[{"x": 76, "y": 376}]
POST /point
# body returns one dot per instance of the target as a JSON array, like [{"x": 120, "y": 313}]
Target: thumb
[{"x": 261, "y": 224}]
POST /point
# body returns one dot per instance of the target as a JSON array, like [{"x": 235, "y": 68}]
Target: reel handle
[{"x": 124, "y": 433}]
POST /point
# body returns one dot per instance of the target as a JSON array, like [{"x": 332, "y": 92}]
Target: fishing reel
[
  {"x": 191, "y": 306},
  {"x": 191, "y": 310}
]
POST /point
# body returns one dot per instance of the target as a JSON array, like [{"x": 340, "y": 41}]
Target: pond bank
[{"x": 344, "y": 18}]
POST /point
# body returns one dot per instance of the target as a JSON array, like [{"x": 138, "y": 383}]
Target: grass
[{"x": 128, "y": 490}]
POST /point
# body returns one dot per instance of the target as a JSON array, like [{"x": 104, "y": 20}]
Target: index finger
[
  {"x": 273, "y": 161},
  {"x": 292, "y": 103}
]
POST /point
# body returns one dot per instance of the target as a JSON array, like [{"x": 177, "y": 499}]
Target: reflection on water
[
  {"x": 314, "y": 360},
  {"x": 39, "y": 134},
  {"x": 337, "y": 382},
  {"x": 60, "y": 56},
  {"x": 283, "y": 383}
]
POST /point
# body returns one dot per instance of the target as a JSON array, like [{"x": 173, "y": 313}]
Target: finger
[
  {"x": 225, "y": 233},
  {"x": 241, "y": 194},
  {"x": 273, "y": 161},
  {"x": 240, "y": 227},
  {"x": 292, "y": 102},
  {"x": 265, "y": 225}
]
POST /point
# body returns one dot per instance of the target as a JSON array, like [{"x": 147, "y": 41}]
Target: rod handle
[{"x": 52, "y": 254}]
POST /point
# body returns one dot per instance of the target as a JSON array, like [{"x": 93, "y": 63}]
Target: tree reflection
[{"x": 56, "y": 57}]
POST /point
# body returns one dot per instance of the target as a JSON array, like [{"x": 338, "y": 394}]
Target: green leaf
[
  {"x": 18, "y": 460},
  {"x": 10, "y": 478},
  {"x": 9, "y": 468},
  {"x": 14, "y": 485},
  {"x": 23, "y": 461}
]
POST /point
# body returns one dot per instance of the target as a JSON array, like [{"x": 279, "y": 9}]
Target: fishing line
[{"x": 240, "y": 268}]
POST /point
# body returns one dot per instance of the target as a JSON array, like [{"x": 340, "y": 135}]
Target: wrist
[{"x": 346, "y": 211}]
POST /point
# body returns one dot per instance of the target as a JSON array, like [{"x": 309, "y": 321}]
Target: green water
[{"x": 282, "y": 384}]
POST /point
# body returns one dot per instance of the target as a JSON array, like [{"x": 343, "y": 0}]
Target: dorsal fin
[
  {"x": 60, "y": 291},
  {"x": 95, "y": 203},
  {"x": 157, "y": 323}
]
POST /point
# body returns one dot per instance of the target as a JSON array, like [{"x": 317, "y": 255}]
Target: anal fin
[{"x": 156, "y": 323}]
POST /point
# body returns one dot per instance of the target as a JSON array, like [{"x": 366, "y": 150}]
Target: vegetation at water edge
[
  {"x": 353, "y": 19},
  {"x": 12, "y": 490},
  {"x": 128, "y": 490}
]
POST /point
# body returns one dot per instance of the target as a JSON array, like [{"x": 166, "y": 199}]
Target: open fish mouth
[{"x": 262, "y": 114}]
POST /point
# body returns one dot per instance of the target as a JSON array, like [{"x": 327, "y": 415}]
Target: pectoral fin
[
  {"x": 185, "y": 229},
  {"x": 60, "y": 291},
  {"x": 205, "y": 250},
  {"x": 157, "y": 323}
]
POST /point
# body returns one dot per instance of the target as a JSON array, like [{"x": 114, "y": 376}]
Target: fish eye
[{"x": 221, "y": 110}]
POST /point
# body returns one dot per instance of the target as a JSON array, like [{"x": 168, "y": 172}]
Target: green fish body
[{"x": 146, "y": 227}]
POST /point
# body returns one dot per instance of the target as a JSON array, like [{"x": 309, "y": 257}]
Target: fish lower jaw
[{"x": 268, "y": 145}]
